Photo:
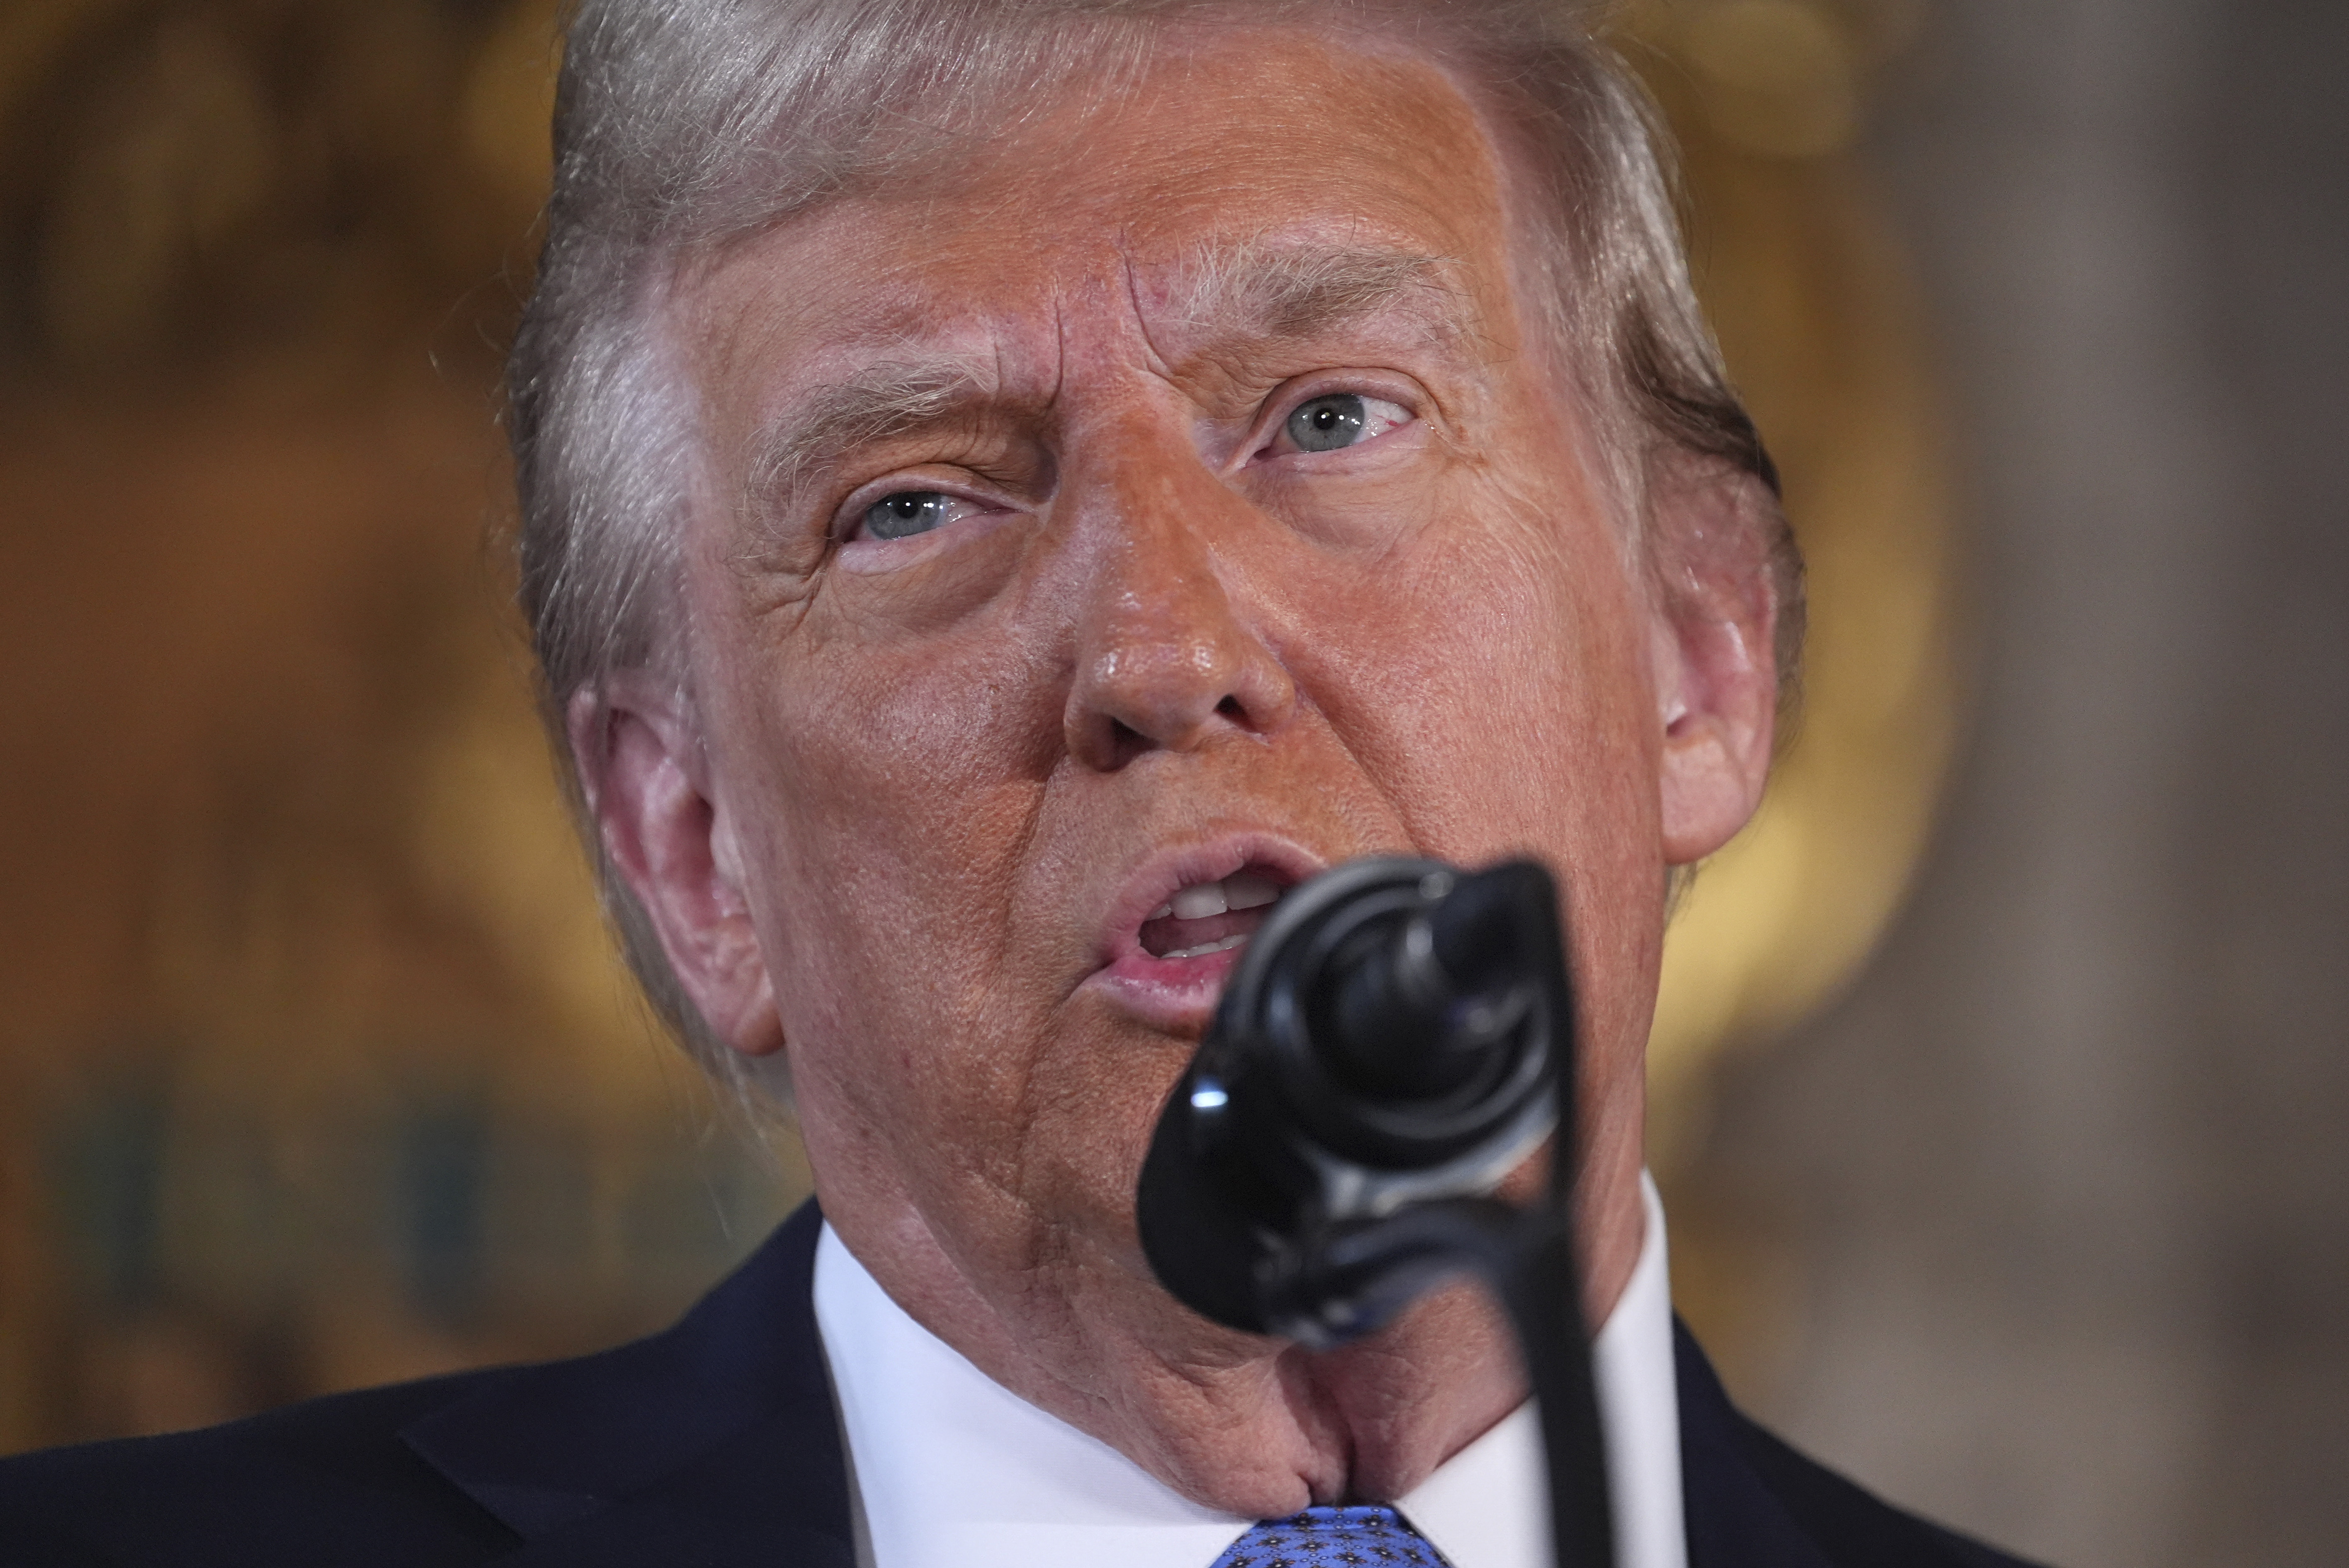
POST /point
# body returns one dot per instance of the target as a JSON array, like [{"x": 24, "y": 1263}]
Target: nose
[{"x": 1163, "y": 660}]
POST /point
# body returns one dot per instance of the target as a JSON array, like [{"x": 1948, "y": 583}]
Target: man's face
[{"x": 1170, "y": 503}]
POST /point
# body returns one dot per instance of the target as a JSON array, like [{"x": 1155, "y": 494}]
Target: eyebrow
[
  {"x": 876, "y": 401},
  {"x": 1301, "y": 290}
]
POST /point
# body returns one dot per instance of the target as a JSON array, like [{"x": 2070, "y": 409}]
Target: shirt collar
[
  {"x": 947, "y": 1466},
  {"x": 1486, "y": 1508}
]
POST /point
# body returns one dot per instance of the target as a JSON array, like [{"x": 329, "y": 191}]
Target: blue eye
[
  {"x": 907, "y": 512},
  {"x": 1325, "y": 424}
]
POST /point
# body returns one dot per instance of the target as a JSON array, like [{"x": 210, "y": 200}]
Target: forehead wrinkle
[{"x": 1159, "y": 363}]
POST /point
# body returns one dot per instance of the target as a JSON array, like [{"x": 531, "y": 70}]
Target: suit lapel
[
  {"x": 712, "y": 1444},
  {"x": 1754, "y": 1502},
  {"x": 1733, "y": 1519},
  {"x": 751, "y": 1502}
]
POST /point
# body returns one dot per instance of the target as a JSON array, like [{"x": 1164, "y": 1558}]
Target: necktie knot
[{"x": 1362, "y": 1537}]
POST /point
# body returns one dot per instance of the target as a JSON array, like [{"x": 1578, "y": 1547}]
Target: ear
[
  {"x": 645, "y": 774},
  {"x": 1716, "y": 608}
]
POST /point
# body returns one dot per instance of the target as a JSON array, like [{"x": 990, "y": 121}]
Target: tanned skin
[{"x": 921, "y": 785}]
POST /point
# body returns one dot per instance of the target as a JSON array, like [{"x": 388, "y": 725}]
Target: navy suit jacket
[{"x": 713, "y": 1445}]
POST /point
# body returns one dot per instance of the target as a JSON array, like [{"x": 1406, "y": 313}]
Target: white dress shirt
[{"x": 950, "y": 1469}]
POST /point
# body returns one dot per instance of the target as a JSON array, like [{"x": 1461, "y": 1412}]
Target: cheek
[
  {"x": 1492, "y": 678},
  {"x": 1503, "y": 707},
  {"x": 889, "y": 794}
]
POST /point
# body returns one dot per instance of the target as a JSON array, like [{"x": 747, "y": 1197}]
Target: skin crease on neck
[{"x": 928, "y": 785}]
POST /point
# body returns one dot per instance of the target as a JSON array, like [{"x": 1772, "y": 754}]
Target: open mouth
[
  {"x": 1216, "y": 916},
  {"x": 1177, "y": 935}
]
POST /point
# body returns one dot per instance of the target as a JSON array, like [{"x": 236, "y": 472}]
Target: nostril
[
  {"x": 1120, "y": 713},
  {"x": 1126, "y": 744}
]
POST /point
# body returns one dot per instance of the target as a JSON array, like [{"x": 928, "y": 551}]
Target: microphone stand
[{"x": 1397, "y": 1038}]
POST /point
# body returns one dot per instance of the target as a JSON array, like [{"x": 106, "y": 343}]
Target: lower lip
[{"x": 1172, "y": 993}]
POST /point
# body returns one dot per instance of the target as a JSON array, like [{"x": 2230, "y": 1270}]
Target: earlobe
[
  {"x": 1716, "y": 657},
  {"x": 669, "y": 840}
]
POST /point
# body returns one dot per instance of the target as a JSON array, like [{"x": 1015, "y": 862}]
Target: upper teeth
[{"x": 1240, "y": 891}]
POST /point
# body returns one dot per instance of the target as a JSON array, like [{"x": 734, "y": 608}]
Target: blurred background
[{"x": 1999, "y": 1080}]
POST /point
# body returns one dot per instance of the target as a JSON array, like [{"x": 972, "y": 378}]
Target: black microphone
[
  {"x": 1392, "y": 1036},
  {"x": 1396, "y": 1038}
]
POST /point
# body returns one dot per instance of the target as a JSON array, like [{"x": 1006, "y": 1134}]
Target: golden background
[{"x": 315, "y": 1065}]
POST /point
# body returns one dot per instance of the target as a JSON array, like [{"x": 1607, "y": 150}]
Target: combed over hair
[{"x": 682, "y": 123}]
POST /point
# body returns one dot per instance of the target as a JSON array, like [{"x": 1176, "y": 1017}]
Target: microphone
[{"x": 1395, "y": 1036}]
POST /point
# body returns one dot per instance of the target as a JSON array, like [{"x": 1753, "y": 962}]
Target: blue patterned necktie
[{"x": 1334, "y": 1538}]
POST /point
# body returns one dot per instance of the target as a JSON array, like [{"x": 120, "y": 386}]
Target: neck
[{"x": 1247, "y": 1426}]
